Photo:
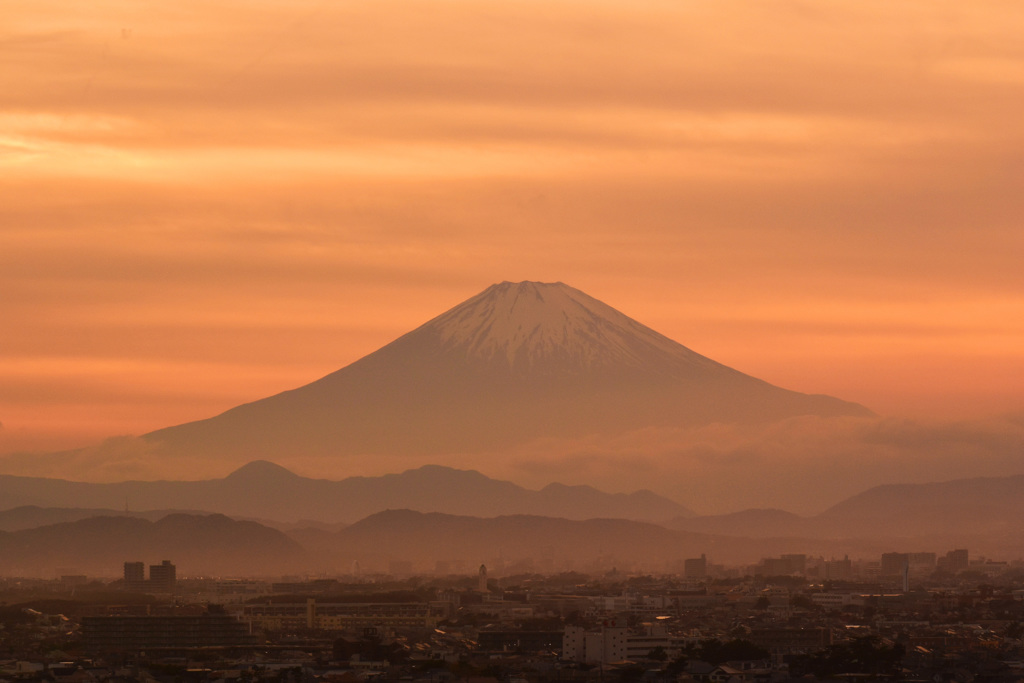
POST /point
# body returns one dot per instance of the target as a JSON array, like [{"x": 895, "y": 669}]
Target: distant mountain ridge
[
  {"x": 263, "y": 490},
  {"x": 34, "y": 516},
  {"x": 214, "y": 545},
  {"x": 980, "y": 514},
  {"x": 528, "y": 541},
  {"x": 983, "y": 509},
  {"x": 517, "y": 362},
  {"x": 198, "y": 544}
]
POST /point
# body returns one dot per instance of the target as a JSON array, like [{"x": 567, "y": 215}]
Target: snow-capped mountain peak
[
  {"x": 536, "y": 325},
  {"x": 519, "y": 361}
]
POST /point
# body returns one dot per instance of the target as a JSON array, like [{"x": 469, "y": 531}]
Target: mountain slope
[
  {"x": 33, "y": 516},
  {"x": 517, "y": 362},
  {"x": 197, "y": 544},
  {"x": 263, "y": 490},
  {"x": 751, "y": 523},
  {"x": 989, "y": 505},
  {"x": 529, "y": 543},
  {"x": 980, "y": 513}
]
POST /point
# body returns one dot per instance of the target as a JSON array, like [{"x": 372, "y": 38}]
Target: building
[
  {"x": 595, "y": 647},
  {"x": 131, "y": 634},
  {"x": 922, "y": 562},
  {"x": 954, "y": 562},
  {"x": 614, "y": 643},
  {"x": 654, "y": 637},
  {"x": 520, "y": 641},
  {"x": 696, "y": 568},
  {"x": 163, "y": 577},
  {"x": 797, "y": 563},
  {"x": 482, "y": 580},
  {"x": 832, "y": 601},
  {"x": 839, "y": 569},
  {"x": 698, "y": 599},
  {"x": 135, "y": 576},
  {"x": 330, "y": 616},
  {"x": 893, "y": 564},
  {"x": 787, "y": 565}
]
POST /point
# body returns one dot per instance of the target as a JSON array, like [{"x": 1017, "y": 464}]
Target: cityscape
[
  {"x": 442, "y": 574},
  {"x": 903, "y": 616},
  {"x": 511, "y": 341}
]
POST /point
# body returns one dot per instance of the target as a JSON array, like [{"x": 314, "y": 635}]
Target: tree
[
  {"x": 716, "y": 652},
  {"x": 864, "y": 655},
  {"x": 677, "y": 666},
  {"x": 657, "y": 654},
  {"x": 802, "y": 601}
]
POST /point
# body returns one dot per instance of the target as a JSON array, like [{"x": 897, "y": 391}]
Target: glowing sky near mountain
[{"x": 206, "y": 203}]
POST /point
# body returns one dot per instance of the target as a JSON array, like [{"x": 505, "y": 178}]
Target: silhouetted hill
[
  {"x": 517, "y": 362},
  {"x": 752, "y": 523},
  {"x": 530, "y": 543},
  {"x": 197, "y": 544},
  {"x": 980, "y": 513},
  {"x": 989, "y": 505},
  {"x": 426, "y": 538},
  {"x": 263, "y": 490},
  {"x": 32, "y": 516}
]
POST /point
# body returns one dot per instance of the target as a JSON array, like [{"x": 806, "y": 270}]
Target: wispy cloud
[{"x": 824, "y": 195}]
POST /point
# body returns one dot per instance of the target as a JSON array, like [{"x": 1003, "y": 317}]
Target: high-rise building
[
  {"x": 163, "y": 577},
  {"x": 955, "y": 561},
  {"x": 696, "y": 568},
  {"x": 786, "y": 565},
  {"x": 839, "y": 569},
  {"x": 134, "y": 576},
  {"x": 797, "y": 563},
  {"x": 893, "y": 564},
  {"x": 921, "y": 561},
  {"x": 481, "y": 580}
]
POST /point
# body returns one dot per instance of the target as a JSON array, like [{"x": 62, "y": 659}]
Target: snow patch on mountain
[{"x": 530, "y": 324}]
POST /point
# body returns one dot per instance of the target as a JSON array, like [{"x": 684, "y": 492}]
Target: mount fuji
[{"x": 515, "y": 363}]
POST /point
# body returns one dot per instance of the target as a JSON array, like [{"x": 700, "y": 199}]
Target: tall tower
[
  {"x": 482, "y": 580},
  {"x": 134, "y": 576},
  {"x": 163, "y": 576},
  {"x": 958, "y": 560},
  {"x": 696, "y": 568}
]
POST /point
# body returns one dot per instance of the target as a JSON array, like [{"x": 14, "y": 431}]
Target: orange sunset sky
[{"x": 205, "y": 203}]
